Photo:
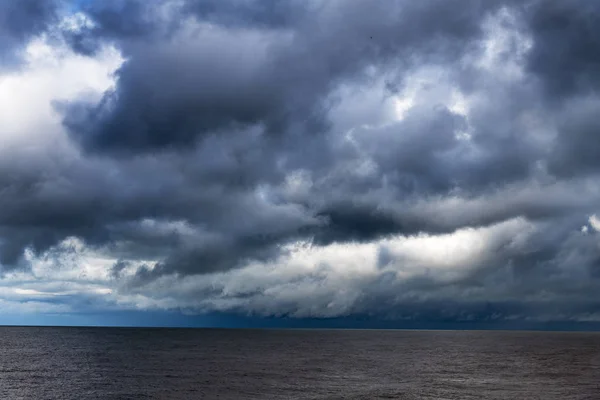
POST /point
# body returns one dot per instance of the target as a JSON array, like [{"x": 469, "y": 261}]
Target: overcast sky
[{"x": 398, "y": 160}]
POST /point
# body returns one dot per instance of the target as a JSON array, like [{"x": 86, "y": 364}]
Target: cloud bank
[{"x": 398, "y": 159}]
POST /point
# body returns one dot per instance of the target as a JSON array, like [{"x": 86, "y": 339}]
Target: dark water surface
[{"x": 106, "y": 363}]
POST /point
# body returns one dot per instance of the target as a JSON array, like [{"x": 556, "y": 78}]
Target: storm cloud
[
  {"x": 21, "y": 21},
  {"x": 409, "y": 160}
]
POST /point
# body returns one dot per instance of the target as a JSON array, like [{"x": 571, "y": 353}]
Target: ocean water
[{"x": 108, "y": 363}]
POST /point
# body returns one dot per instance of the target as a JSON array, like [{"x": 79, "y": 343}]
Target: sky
[{"x": 303, "y": 163}]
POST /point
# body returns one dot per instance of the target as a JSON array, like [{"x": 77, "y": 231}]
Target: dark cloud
[
  {"x": 20, "y": 21},
  {"x": 254, "y": 13},
  {"x": 577, "y": 151},
  {"x": 542, "y": 276},
  {"x": 117, "y": 20},
  {"x": 230, "y": 78},
  {"x": 351, "y": 222},
  {"x": 236, "y": 129},
  {"x": 564, "y": 58},
  {"x": 209, "y": 79},
  {"x": 565, "y": 52}
]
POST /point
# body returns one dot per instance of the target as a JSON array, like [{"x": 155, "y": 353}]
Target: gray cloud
[
  {"x": 565, "y": 45},
  {"x": 223, "y": 77},
  {"x": 543, "y": 277},
  {"x": 563, "y": 58},
  {"x": 236, "y": 129},
  {"x": 20, "y": 21}
]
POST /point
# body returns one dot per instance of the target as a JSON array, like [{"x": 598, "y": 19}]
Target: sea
[{"x": 124, "y": 363}]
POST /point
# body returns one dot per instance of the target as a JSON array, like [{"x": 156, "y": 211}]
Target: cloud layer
[{"x": 399, "y": 159}]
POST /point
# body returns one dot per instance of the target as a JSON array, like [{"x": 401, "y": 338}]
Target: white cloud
[
  {"x": 307, "y": 281},
  {"x": 595, "y": 222},
  {"x": 52, "y": 72},
  {"x": 329, "y": 280}
]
